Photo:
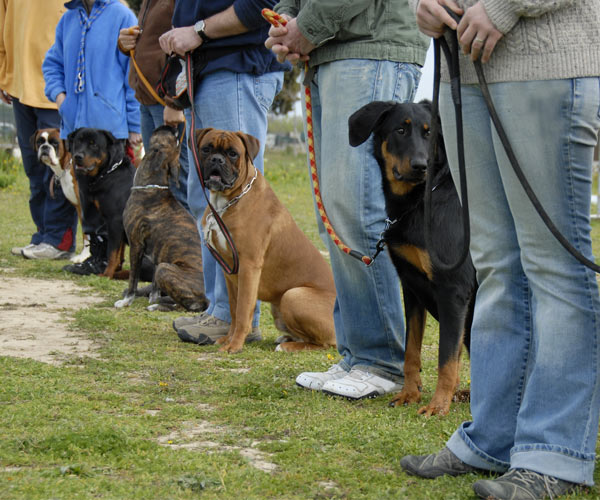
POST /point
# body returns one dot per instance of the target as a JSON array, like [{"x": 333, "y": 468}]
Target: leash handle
[
  {"x": 233, "y": 269},
  {"x": 451, "y": 54},
  {"x": 276, "y": 20}
]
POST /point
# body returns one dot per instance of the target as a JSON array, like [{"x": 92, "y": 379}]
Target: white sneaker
[
  {"x": 315, "y": 380},
  {"x": 19, "y": 250},
  {"x": 46, "y": 251},
  {"x": 360, "y": 384}
]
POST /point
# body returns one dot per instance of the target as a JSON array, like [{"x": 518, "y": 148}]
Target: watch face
[{"x": 199, "y": 26}]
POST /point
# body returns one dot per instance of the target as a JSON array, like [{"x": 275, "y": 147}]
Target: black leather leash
[
  {"x": 233, "y": 269},
  {"x": 451, "y": 52}
]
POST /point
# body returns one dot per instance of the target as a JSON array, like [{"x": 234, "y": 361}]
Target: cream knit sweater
[{"x": 543, "y": 40}]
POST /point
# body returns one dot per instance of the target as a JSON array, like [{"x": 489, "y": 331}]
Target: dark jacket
[
  {"x": 252, "y": 56},
  {"x": 154, "y": 19}
]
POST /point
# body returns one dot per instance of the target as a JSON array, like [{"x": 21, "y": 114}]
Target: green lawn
[{"x": 154, "y": 418}]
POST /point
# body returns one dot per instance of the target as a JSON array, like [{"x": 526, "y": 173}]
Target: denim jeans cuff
[
  {"x": 463, "y": 448},
  {"x": 554, "y": 463}
]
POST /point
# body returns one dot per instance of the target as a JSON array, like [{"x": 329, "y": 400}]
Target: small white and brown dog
[{"x": 52, "y": 151}]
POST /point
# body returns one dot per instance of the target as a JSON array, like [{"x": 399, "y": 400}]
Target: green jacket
[{"x": 358, "y": 29}]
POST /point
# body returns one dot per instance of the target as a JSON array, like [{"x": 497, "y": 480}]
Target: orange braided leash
[{"x": 276, "y": 20}]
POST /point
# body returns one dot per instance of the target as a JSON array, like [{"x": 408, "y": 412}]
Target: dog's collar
[
  {"x": 150, "y": 186},
  {"x": 234, "y": 200}
]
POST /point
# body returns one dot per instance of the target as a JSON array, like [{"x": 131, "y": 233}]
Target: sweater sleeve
[
  {"x": 504, "y": 14},
  {"x": 53, "y": 66},
  {"x": 320, "y": 21},
  {"x": 132, "y": 104}
]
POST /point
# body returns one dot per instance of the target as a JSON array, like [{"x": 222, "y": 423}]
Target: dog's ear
[
  {"x": 70, "y": 139},
  {"x": 364, "y": 121},
  {"x": 33, "y": 138},
  {"x": 199, "y": 134},
  {"x": 251, "y": 143}
]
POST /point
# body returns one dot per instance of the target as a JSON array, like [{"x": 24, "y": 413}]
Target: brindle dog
[{"x": 158, "y": 226}]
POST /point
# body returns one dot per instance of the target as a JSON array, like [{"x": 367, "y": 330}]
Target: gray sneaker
[
  {"x": 208, "y": 329},
  {"x": 46, "y": 251},
  {"x": 437, "y": 464},
  {"x": 182, "y": 321},
  {"x": 522, "y": 484},
  {"x": 19, "y": 250}
]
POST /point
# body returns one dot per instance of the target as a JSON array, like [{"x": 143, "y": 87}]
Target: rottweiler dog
[
  {"x": 401, "y": 137},
  {"x": 105, "y": 176},
  {"x": 158, "y": 226}
]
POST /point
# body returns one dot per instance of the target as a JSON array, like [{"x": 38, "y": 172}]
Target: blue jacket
[
  {"x": 253, "y": 57},
  {"x": 101, "y": 97}
]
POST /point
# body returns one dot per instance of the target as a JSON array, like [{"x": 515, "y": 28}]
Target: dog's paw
[
  {"x": 153, "y": 307},
  {"x": 405, "y": 397},
  {"x": 125, "y": 302}
]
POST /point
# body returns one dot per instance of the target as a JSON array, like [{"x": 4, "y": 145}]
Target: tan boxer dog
[
  {"x": 277, "y": 262},
  {"x": 52, "y": 152}
]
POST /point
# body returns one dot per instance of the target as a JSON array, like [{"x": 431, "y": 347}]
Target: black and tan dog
[
  {"x": 158, "y": 226},
  {"x": 52, "y": 152},
  {"x": 277, "y": 262},
  {"x": 401, "y": 136},
  {"x": 105, "y": 176}
]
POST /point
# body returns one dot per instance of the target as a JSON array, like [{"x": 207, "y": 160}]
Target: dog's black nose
[
  {"x": 217, "y": 160},
  {"x": 420, "y": 167},
  {"x": 78, "y": 157}
]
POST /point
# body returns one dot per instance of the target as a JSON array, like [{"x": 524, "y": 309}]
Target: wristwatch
[{"x": 199, "y": 28}]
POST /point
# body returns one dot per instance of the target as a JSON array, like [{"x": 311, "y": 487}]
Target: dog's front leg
[
  {"x": 245, "y": 301},
  {"x": 452, "y": 324},
  {"x": 415, "y": 315},
  {"x": 136, "y": 254}
]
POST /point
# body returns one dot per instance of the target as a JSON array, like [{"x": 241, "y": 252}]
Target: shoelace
[{"x": 529, "y": 479}]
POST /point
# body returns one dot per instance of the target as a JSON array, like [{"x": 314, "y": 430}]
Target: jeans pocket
[{"x": 266, "y": 87}]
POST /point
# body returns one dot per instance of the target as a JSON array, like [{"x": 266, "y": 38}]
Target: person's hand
[
  {"x": 433, "y": 19},
  {"x": 288, "y": 42},
  {"x": 173, "y": 117},
  {"x": 5, "y": 97},
  {"x": 128, "y": 37},
  {"x": 180, "y": 40},
  {"x": 476, "y": 33},
  {"x": 135, "y": 138},
  {"x": 60, "y": 98}
]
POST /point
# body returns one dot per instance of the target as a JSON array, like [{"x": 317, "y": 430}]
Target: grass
[{"x": 154, "y": 418}]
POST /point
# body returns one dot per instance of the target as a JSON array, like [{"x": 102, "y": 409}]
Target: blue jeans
[
  {"x": 228, "y": 101},
  {"x": 535, "y": 383},
  {"x": 152, "y": 118},
  {"x": 55, "y": 217},
  {"x": 369, "y": 324}
]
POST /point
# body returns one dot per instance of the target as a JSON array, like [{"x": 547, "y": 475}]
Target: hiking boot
[
  {"x": 522, "y": 484},
  {"x": 360, "y": 383},
  {"x": 316, "y": 380},
  {"x": 442, "y": 463},
  {"x": 45, "y": 251},
  {"x": 209, "y": 329},
  {"x": 91, "y": 265},
  {"x": 182, "y": 321},
  {"x": 19, "y": 250}
]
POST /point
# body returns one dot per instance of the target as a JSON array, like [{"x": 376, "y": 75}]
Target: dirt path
[{"x": 35, "y": 316}]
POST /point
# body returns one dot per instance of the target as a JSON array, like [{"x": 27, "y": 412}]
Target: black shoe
[
  {"x": 91, "y": 265},
  {"x": 442, "y": 463},
  {"x": 522, "y": 484}
]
